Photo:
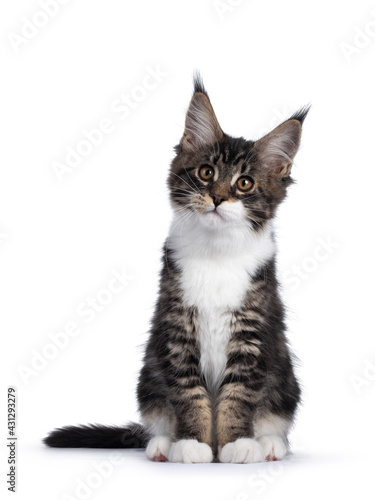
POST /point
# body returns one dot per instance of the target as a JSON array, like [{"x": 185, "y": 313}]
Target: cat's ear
[
  {"x": 201, "y": 126},
  {"x": 276, "y": 150}
]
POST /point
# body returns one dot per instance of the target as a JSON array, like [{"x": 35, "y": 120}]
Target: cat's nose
[{"x": 217, "y": 199}]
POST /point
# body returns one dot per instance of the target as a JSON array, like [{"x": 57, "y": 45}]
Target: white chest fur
[{"x": 217, "y": 267}]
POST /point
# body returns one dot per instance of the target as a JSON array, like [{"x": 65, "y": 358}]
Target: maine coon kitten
[{"x": 217, "y": 377}]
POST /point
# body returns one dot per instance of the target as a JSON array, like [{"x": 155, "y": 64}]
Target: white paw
[
  {"x": 274, "y": 447},
  {"x": 158, "y": 448},
  {"x": 189, "y": 451},
  {"x": 242, "y": 451}
]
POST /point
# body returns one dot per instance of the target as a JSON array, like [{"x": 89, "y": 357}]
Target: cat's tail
[{"x": 98, "y": 436}]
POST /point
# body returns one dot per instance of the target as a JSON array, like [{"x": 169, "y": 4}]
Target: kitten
[{"x": 217, "y": 378}]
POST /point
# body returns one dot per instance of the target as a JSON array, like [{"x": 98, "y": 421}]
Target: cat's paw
[
  {"x": 242, "y": 451},
  {"x": 274, "y": 447},
  {"x": 189, "y": 451},
  {"x": 158, "y": 448}
]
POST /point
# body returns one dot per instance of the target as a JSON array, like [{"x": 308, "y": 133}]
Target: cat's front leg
[
  {"x": 240, "y": 393},
  {"x": 236, "y": 442},
  {"x": 181, "y": 424},
  {"x": 193, "y": 421},
  {"x": 189, "y": 399}
]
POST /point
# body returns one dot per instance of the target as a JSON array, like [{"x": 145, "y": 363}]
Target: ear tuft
[
  {"x": 301, "y": 114},
  {"x": 198, "y": 84}
]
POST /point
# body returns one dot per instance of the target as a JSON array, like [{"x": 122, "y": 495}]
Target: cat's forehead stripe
[
  {"x": 240, "y": 157},
  {"x": 244, "y": 167},
  {"x": 241, "y": 160},
  {"x": 226, "y": 151},
  {"x": 217, "y": 157}
]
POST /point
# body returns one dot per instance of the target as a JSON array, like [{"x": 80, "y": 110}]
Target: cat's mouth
[
  {"x": 216, "y": 217},
  {"x": 214, "y": 212},
  {"x": 223, "y": 214}
]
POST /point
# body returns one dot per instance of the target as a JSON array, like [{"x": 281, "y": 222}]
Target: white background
[{"x": 60, "y": 241}]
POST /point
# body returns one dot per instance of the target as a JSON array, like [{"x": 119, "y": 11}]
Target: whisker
[{"x": 183, "y": 180}]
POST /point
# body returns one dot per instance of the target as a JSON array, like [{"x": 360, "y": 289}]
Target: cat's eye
[
  {"x": 206, "y": 172},
  {"x": 245, "y": 183}
]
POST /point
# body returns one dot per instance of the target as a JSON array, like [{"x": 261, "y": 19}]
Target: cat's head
[{"x": 231, "y": 181}]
